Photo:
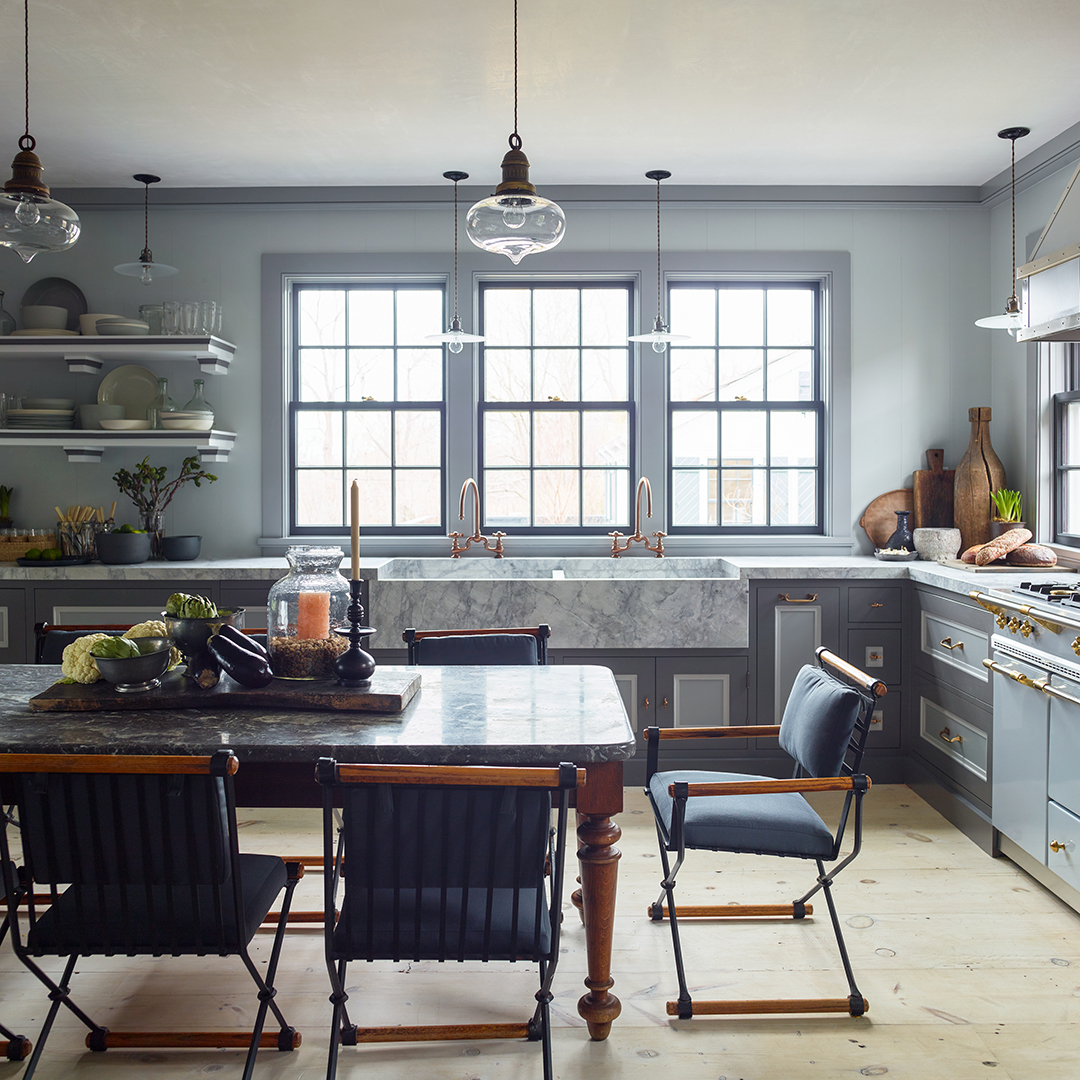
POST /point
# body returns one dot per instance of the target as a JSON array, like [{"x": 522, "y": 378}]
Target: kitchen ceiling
[{"x": 263, "y": 93}]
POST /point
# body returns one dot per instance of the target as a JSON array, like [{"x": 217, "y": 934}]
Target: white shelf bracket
[
  {"x": 210, "y": 454},
  {"x": 213, "y": 364},
  {"x": 89, "y": 455},
  {"x": 81, "y": 364}
]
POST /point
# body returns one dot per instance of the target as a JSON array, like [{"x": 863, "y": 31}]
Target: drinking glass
[
  {"x": 207, "y": 316},
  {"x": 189, "y": 317},
  {"x": 217, "y": 320},
  {"x": 152, "y": 314},
  {"x": 3, "y": 410},
  {"x": 170, "y": 317}
]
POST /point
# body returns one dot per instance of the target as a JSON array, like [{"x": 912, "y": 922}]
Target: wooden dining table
[{"x": 460, "y": 715}]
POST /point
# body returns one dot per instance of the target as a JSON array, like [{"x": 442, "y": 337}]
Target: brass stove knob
[
  {"x": 1076, "y": 645},
  {"x": 1014, "y": 624},
  {"x": 1002, "y": 619},
  {"x": 1026, "y": 628}
]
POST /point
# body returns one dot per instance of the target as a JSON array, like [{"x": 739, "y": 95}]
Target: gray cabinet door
[
  {"x": 104, "y": 603},
  {"x": 793, "y": 619},
  {"x": 702, "y": 691},
  {"x": 13, "y": 629},
  {"x": 636, "y": 680}
]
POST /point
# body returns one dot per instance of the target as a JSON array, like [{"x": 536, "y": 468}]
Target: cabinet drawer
[
  {"x": 885, "y": 724},
  {"x": 953, "y": 736},
  {"x": 12, "y": 626},
  {"x": 1064, "y": 754},
  {"x": 874, "y": 603},
  {"x": 953, "y": 650},
  {"x": 877, "y": 652},
  {"x": 1063, "y": 829}
]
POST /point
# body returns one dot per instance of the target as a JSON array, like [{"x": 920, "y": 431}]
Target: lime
[
  {"x": 33, "y": 553},
  {"x": 125, "y": 529},
  {"x": 52, "y": 554}
]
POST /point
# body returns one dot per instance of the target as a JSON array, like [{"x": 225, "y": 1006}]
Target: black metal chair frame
[
  {"x": 392, "y": 784},
  {"x": 412, "y": 637},
  {"x": 118, "y": 874},
  {"x": 13, "y": 1047},
  {"x": 851, "y": 780},
  {"x": 43, "y": 629}
]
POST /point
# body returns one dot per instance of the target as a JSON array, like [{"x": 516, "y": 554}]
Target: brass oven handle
[
  {"x": 809, "y": 600},
  {"x": 1026, "y": 680},
  {"x": 944, "y": 735},
  {"x": 946, "y": 643},
  {"x": 1054, "y": 692},
  {"x": 1057, "y": 846}
]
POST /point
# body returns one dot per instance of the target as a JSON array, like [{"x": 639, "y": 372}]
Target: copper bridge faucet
[
  {"x": 639, "y": 537},
  {"x": 477, "y": 536}
]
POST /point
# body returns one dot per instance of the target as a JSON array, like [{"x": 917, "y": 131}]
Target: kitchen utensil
[
  {"x": 879, "y": 518},
  {"x": 130, "y": 385},
  {"x": 58, "y": 292},
  {"x": 88, "y": 323},
  {"x": 44, "y": 317},
  {"x": 933, "y": 493}
]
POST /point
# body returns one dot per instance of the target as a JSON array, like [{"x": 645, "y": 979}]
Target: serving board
[
  {"x": 1000, "y": 568},
  {"x": 933, "y": 493},
  {"x": 879, "y": 519},
  {"x": 390, "y": 691}
]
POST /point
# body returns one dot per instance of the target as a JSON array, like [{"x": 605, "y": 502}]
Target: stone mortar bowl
[{"x": 937, "y": 545}]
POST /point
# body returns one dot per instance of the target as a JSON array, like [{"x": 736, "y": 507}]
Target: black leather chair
[
  {"x": 824, "y": 728},
  {"x": 50, "y": 639},
  {"x": 139, "y": 856},
  {"x": 443, "y": 862},
  {"x": 526, "y": 646}
]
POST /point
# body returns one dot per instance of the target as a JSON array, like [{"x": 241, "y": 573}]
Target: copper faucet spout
[
  {"x": 643, "y": 482},
  {"x": 476, "y": 505}
]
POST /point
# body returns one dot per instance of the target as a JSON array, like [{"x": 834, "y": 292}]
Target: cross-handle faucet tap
[
  {"x": 638, "y": 536},
  {"x": 477, "y": 537}
]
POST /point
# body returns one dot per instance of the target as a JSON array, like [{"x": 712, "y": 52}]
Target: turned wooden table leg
[{"x": 598, "y": 857}]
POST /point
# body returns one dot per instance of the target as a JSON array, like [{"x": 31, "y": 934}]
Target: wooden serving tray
[
  {"x": 1003, "y": 568},
  {"x": 390, "y": 691}
]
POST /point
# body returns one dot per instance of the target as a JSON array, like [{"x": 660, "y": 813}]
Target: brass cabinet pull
[
  {"x": 1026, "y": 628},
  {"x": 809, "y": 600},
  {"x": 665, "y": 703},
  {"x": 946, "y": 643},
  {"x": 646, "y": 705},
  {"x": 1057, "y": 846},
  {"x": 877, "y": 605},
  {"x": 944, "y": 735}
]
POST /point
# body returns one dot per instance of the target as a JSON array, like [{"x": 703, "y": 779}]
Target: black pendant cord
[
  {"x": 455, "y": 249},
  {"x": 658, "y": 175},
  {"x": 146, "y": 217},
  {"x": 515, "y": 138},
  {"x": 27, "y": 142},
  {"x": 1013, "y": 182}
]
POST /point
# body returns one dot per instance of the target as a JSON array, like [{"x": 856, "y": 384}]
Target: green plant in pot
[
  {"x": 5, "y": 506},
  {"x": 147, "y": 488},
  {"x": 1008, "y": 511}
]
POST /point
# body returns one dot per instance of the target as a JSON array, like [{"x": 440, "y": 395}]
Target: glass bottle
[
  {"x": 7, "y": 320},
  {"x": 302, "y": 610},
  {"x": 198, "y": 403},
  {"x": 161, "y": 404}
]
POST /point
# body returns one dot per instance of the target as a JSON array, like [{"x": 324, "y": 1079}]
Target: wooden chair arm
[
  {"x": 467, "y": 775},
  {"x": 867, "y": 682},
  {"x": 771, "y": 787},
  {"x": 750, "y": 731},
  {"x": 110, "y": 763}
]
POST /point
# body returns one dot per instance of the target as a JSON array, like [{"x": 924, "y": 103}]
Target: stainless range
[{"x": 1036, "y": 738}]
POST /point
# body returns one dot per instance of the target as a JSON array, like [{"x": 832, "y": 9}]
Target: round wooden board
[{"x": 879, "y": 520}]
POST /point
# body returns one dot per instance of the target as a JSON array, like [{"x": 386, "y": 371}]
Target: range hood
[{"x": 1050, "y": 285}]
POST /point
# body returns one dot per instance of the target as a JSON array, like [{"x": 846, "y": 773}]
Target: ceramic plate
[
  {"x": 44, "y": 333},
  {"x": 895, "y": 556},
  {"x": 58, "y": 292},
  {"x": 130, "y": 385},
  {"x": 171, "y": 424},
  {"x": 67, "y": 560},
  {"x": 125, "y": 425}
]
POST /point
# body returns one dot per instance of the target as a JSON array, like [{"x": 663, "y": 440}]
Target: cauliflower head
[
  {"x": 77, "y": 663},
  {"x": 154, "y": 628}
]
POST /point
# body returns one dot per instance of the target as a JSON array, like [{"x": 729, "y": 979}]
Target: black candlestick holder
[{"x": 354, "y": 667}]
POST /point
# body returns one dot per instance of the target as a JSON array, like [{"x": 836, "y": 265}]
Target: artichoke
[
  {"x": 184, "y": 606},
  {"x": 115, "y": 648}
]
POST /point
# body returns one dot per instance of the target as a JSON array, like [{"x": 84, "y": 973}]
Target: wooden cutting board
[
  {"x": 390, "y": 691},
  {"x": 879, "y": 520},
  {"x": 933, "y": 494},
  {"x": 999, "y": 567}
]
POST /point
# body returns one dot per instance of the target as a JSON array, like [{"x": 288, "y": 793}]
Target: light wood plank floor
[{"x": 967, "y": 963}]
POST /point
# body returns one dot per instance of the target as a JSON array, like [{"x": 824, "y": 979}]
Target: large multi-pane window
[
  {"x": 556, "y": 416},
  {"x": 367, "y": 405},
  {"x": 1067, "y": 452},
  {"x": 746, "y": 409}
]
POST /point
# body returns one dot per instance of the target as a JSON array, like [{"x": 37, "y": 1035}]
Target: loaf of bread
[
  {"x": 969, "y": 555},
  {"x": 1001, "y": 545},
  {"x": 1031, "y": 555}
]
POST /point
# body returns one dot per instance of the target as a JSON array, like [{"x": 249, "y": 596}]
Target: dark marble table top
[{"x": 461, "y": 715}]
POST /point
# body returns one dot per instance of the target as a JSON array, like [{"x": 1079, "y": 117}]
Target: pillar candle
[
  {"x": 313, "y": 615},
  {"x": 354, "y": 521}
]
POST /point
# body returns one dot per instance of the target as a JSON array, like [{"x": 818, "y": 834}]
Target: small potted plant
[
  {"x": 145, "y": 486},
  {"x": 1008, "y": 511}
]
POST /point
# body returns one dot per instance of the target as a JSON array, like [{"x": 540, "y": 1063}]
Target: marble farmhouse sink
[{"x": 590, "y": 603}]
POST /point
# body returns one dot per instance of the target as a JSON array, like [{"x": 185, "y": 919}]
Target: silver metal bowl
[
  {"x": 191, "y": 635},
  {"x": 133, "y": 674}
]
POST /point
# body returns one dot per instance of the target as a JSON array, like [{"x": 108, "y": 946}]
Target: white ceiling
[{"x": 251, "y": 93}]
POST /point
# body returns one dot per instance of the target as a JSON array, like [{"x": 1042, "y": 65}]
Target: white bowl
[
  {"x": 172, "y": 423},
  {"x": 44, "y": 317},
  {"x": 126, "y": 425},
  {"x": 122, "y": 328},
  {"x": 88, "y": 323}
]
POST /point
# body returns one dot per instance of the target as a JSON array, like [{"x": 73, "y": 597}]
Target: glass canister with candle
[{"x": 302, "y": 610}]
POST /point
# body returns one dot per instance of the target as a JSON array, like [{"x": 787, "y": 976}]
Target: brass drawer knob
[
  {"x": 946, "y": 643},
  {"x": 1056, "y": 846},
  {"x": 944, "y": 735}
]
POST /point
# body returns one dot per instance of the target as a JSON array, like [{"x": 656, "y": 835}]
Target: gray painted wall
[{"x": 920, "y": 276}]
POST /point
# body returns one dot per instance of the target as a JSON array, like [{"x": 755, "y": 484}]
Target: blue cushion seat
[
  {"x": 501, "y": 649},
  {"x": 819, "y": 718},
  {"x": 772, "y": 824}
]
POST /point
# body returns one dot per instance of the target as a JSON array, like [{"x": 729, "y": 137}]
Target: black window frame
[
  {"x": 296, "y": 406},
  {"x": 629, "y": 406},
  {"x": 1061, "y": 470},
  {"x": 816, "y": 405}
]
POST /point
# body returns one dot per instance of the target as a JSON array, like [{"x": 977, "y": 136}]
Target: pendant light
[
  {"x": 1013, "y": 317},
  {"x": 146, "y": 270},
  {"x": 515, "y": 221},
  {"x": 31, "y": 220},
  {"x": 455, "y": 336},
  {"x": 659, "y": 335}
]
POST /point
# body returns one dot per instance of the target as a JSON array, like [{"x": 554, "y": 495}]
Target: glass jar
[
  {"x": 152, "y": 315},
  {"x": 161, "y": 404},
  {"x": 302, "y": 610},
  {"x": 198, "y": 403}
]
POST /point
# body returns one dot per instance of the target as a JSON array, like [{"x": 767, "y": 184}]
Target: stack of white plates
[
  {"x": 187, "y": 421},
  {"x": 41, "y": 419}
]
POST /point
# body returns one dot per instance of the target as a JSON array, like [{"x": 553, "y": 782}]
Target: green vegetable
[
  {"x": 115, "y": 648},
  {"x": 184, "y": 606},
  {"x": 1009, "y": 505}
]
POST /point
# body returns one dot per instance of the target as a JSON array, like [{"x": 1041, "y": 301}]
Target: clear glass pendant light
[
  {"x": 659, "y": 335},
  {"x": 455, "y": 337},
  {"x": 1013, "y": 317},
  {"x": 31, "y": 220},
  {"x": 146, "y": 270},
  {"x": 515, "y": 221}
]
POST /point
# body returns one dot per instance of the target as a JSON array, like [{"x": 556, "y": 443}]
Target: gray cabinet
[
  {"x": 12, "y": 626},
  {"x": 635, "y": 677},
  {"x": 104, "y": 602}
]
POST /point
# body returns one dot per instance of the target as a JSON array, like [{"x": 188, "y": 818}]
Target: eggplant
[
  {"x": 238, "y": 637},
  {"x": 247, "y": 667},
  {"x": 205, "y": 669}
]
